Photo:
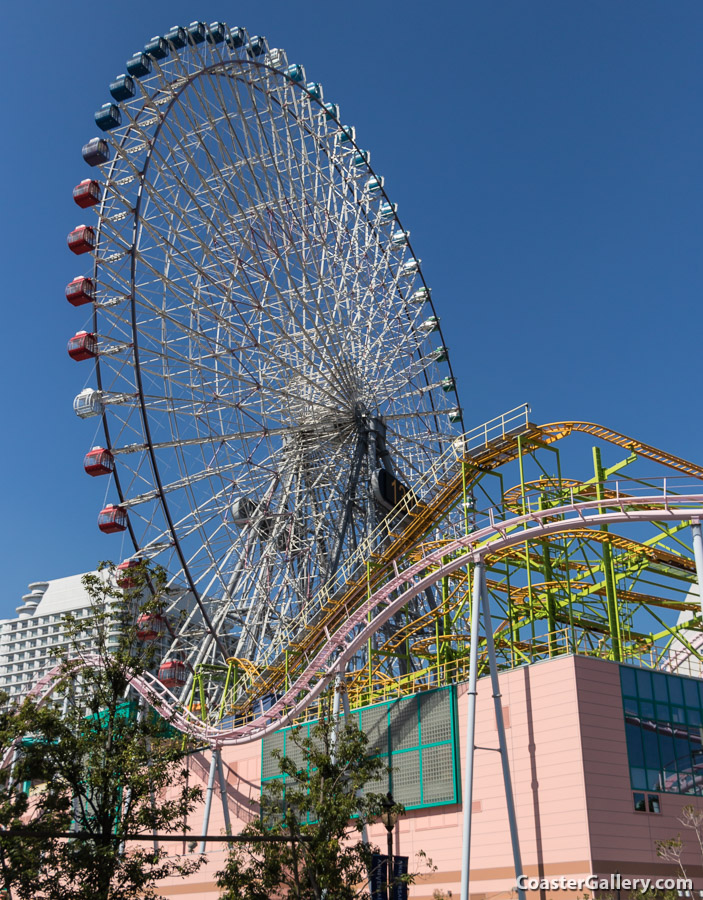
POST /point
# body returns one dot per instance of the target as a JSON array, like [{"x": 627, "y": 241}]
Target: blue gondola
[
  {"x": 96, "y": 151},
  {"x": 122, "y": 88},
  {"x": 196, "y": 32},
  {"x": 295, "y": 73},
  {"x": 256, "y": 46},
  {"x": 236, "y": 38},
  {"x": 314, "y": 89},
  {"x": 157, "y": 48},
  {"x": 331, "y": 110},
  {"x": 177, "y": 37},
  {"x": 108, "y": 116},
  {"x": 139, "y": 65},
  {"x": 215, "y": 33},
  {"x": 346, "y": 134}
]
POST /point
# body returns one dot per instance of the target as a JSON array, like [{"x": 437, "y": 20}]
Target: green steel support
[
  {"x": 613, "y": 622},
  {"x": 551, "y": 603}
]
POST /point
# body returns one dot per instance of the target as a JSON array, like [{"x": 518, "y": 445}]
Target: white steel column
[
  {"x": 479, "y": 574},
  {"x": 338, "y": 688},
  {"x": 502, "y": 743},
  {"x": 208, "y": 798},
  {"x": 223, "y": 790}
]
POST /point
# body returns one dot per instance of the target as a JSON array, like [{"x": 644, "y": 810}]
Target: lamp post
[{"x": 389, "y": 817}]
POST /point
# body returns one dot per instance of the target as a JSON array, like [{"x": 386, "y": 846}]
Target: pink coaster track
[{"x": 341, "y": 646}]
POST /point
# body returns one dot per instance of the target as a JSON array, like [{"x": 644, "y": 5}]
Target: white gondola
[
  {"x": 420, "y": 296},
  {"x": 88, "y": 403},
  {"x": 410, "y": 267},
  {"x": 429, "y": 325},
  {"x": 399, "y": 239}
]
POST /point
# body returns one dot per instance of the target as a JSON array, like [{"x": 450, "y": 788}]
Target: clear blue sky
[{"x": 546, "y": 156}]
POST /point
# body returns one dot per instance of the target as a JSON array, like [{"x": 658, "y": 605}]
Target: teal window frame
[{"x": 394, "y": 710}]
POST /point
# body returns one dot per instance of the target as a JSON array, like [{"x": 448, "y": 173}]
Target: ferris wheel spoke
[{"x": 272, "y": 193}]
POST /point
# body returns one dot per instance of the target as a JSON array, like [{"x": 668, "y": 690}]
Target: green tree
[
  {"x": 318, "y": 815},
  {"x": 103, "y": 767}
]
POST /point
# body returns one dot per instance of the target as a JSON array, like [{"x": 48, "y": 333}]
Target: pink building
[{"x": 578, "y": 812}]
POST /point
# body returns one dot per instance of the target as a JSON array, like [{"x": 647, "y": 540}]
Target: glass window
[
  {"x": 660, "y": 692},
  {"x": 627, "y": 678},
  {"x": 644, "y": 684},
  {"x": 653, "y": 803},
  {"x": 663, "y": 714},
  {"x": 646, "y": 709},
  {"x": 690, "y": 692},
  {"x": 675, "y": 690},
  {"x": 630, "y": 705},
  {"x": 638, "y": 778},
  {"x": 640, "y": 805},
  {"x": 694, "y": 717}
]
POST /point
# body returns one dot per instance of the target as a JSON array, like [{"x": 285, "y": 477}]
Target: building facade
[
  {"x": 604, "y": 757},
  {"x": 29, "y": 642}
]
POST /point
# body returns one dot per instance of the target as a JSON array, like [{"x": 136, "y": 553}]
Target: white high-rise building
[{"x": 27, "y": 641}]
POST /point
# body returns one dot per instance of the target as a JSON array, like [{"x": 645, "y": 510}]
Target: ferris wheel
[{"x": 270, "y": 374}]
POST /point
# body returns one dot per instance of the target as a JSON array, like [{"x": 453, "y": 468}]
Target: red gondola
[
  {"x": 87, "y": 193},
  {"x": 173, "y": 674},
  {"x": 112, "y": 519},
  {"x": 81, "y": 290},
  {"x": 99, "y": 461},
  {"x": 81, "y": 240},
  {"x": 124, "y": 579},
  {"x": 83, "y": 345},
  {"x": 150, "y": 626}
]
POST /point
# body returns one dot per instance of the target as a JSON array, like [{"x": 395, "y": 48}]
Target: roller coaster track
[
  {"x": 345, "y": 641},
  {"x": 555, "y": 431},
  {"x": 417, "y": 521}
]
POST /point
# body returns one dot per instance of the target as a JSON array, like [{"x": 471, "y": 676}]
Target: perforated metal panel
[
  {"x": 407, "y": 785},
  {"x": 374, "y": 724},
  {"x": 438, "y": 774},
  {"x": 269, "y": 764},
  {"x": 405, "y": 726},
  {"x": 436, "y": 724},
  {"x": 414, "y": 735},
  {"x": 292, "y": 750}
]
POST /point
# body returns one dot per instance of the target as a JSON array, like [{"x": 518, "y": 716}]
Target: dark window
[
  {"x": 660, "y": 692},
  {"x": 653, "y": 803},
  {"x": 664, "y": 737},
  {"x": 640, "y": 805},
  {"x": 690, "y": 693},
  {"x": 628, "y": 681},
  {"x": 676, "y": 690},
  {"x": 644, "y": 684}
]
